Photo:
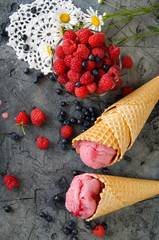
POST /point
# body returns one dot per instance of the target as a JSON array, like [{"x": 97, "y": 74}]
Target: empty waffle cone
[{"x": 119, "y": 192}]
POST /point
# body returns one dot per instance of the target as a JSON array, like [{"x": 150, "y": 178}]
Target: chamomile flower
[
  {"x": 66, "y": 16},
  {"x": 93, "y": 20},
  {"x": 45, "y": 51}
]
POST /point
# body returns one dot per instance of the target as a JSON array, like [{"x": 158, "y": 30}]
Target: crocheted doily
[{"x": 42, "y": 30}]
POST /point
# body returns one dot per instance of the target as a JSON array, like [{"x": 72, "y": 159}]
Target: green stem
[
  {"x": 23, "y": 129},
  {"x": 114, "y": 6},
  {"x": 125, "y": 20}
]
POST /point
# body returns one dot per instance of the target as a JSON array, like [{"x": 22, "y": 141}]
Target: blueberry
[
  {"x": 106, "y": 67},
  {"x": 105, "y": 170},
  {"x": 33, "y": 10},
  {"x": 40, "y": 75},
  {"x": 26, "y": 70},
  {"x": 35, "y": 79},
  {"x": 88, "y": 118},
  {"x": 26, "y": 47},
  {"x": 64, "y": 146},
  {"x": 88, "y": 226},
  {"x": 63, "y": 113},
  {"x": 78, "y": 108},
  {"x": 72, "y": 148},
  {"x": 57, "y": 198},
  {"x": 63, "y": 104},
  {"x": 98, "y": 59},
  {"x": 82, "y": 116},
  {"x": 83, "y": 130},
  {"x": 14, "y": 136},
  {"x": 49, "y": 218},
  {"x": 66, "y": 230},
  {"x": 91, "y": 109},
  {"x": 71, "y": 223},
  {"x": 92, "y": 114},
  {"x": 86, "y": 124},
  {"x": 74, "y": 231},
  {"x": 93, "y": 119},
  {"x": 75, "y": 238},
  {"x": 59, "y": 91},
  {"x": 78, "y": 84},
  {"x": 91, "y": 57},
  {"x": 95, "y": 72},
  {"x": 84, "y": 110},
  {"x": 75, "y": 172},
  {"x": 79, "y": 122},
  {"x": 24, "y": 37},
  {"x": 84, "y": 64},
  {"x": 104, "y": 225},
  {"x": 7, "y": 208},
  {"x": 73, "y": 120},
  {"x": 76, "y": 102},
  {"x": 87, "y": 113},
  {"x": 42, "y": 214},
  {"x": 52, "y": 77},
  {"x": 3, "y": 33},
  {"x": 66, "y": 122},
  {"x": 64, "y": 141},
  {"x": 61, "y": 118}
]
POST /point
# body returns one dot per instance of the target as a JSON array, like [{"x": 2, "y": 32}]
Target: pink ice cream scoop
[
  {"x": 82, "y": 197},
  {"x": 95, "y": 155}
]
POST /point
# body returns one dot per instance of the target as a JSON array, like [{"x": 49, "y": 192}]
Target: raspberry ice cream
[
  {"x": 95, "y": 155},
  {"x": 82, "y": 197}
]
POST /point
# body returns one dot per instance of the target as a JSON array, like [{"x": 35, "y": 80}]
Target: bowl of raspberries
[{"x": 84, "y": 65}]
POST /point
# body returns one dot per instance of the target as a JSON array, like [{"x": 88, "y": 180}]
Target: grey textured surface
[{"x": 43, "y": 174}]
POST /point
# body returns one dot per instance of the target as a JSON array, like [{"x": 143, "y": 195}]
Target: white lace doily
[{"x": 42, "y": 31}]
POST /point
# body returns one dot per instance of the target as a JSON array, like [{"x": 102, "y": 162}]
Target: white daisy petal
[{"x": 93, "y": 20}]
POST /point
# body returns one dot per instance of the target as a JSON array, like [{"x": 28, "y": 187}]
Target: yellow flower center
[
  {"x": 65, "y": 18},
  {"x": 95, "y": 21},
  {"x": 49, "y": 50}
]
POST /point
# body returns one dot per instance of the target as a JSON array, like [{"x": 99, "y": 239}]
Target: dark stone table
[{"x": 43, "y": 174}]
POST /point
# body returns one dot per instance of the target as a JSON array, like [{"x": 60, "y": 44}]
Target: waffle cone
[{"x": 120, "y": 192}]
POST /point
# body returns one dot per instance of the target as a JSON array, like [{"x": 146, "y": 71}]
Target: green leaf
[
  {"x": 119, "y": 43},
  {"x": 131, "y": 31},
  {"x": 153, "y": 28},
  {"x": 137, "y": 40}
]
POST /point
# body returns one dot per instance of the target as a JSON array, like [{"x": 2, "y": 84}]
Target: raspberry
[
  {"x": 100, "y": 64},
  {"x": 98, "y": 52},
  {"x": 42, "y": 143},
  {"x": 70, "y": 34},
  {"x": 90, "y": 65},
  {"x": 59, "y": 52},
  {"x": 81, "y": 92},
  {"x": 62, "y": 79},
  {"x": 69, "y": 46},
  {"x": 70, "y": 86},
  {"x": 108, "y": 61},
  {"x": 99, "y": 90},
  {"x": 91, "y": 87},
  {"x": 68, "y": 59},
  {"x": 101, "y": 72},
  {"x": 114, "y": 72},
  {"x": 86, "y": 78},
  {"x": 97, "y": 40},
  {"x": 106, "y": 82},
  {"x": 66, "y": 131},
  {"x": 118, "y": 84},
  {"x": 59, "y": 66},
  {"x": 127, "y": 90},
  {"x": 83, "y": 35},
  {"x": 127, "y": 62},
  {"x": 74, "y": 76},
  {"x": 37, "y": 117},
  {"x": 22, "y": 119},
  {"x": 76, "y": 64},
  {"x": 104, "y": 47},
  {"x": 82, "y": 51},
  {"x": 114, "y": 52},
  {"x": 99, "y": 231},
  {"x": 10, "y": 181}
]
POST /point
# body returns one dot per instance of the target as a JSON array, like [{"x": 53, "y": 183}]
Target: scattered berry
[
  {"x": 74, "y": 231},
  {"x": 97, "y": 40},
  {"x": 127, "y": 62},
  {"x": 7, "y": 208},
  {"x": 76, "y": 102},
  {"x": 73, "y": 120},
  {"x": 104, "y": 225},
  {"x": 49, "y": 218},
  {"x": 71, "y": 223},
  {"x": 105, "y": 170},
  {"x": 74, "y": 76},
  {"x": 26, "y": 70},
  {"x": 37, "y": 117},
  {"x": 69, "y": 34},
  {"x": 63, "y": 113},
  {"x": 59, "y": 91},
  {"x": 57, "y": 198},
  {"x": 40, "y": 75},
  {"x": 127, "y": 90},
  {"x": 76, "y": 64},
  {"x": 66, "y": 131},
  {"x": 63, "y": 104},
  {"x": 86, "y": 124},
  {"x": 10, "y": 181},
  {"x": 118, "y": 84},
  {"x": 83, "y": 35},
  {"x": 81, "y": 92},
  {"x": 59, "y": 66},
  {"x": 42, "y": 143},
  {"x": 35, "y": 79},
  {"x": 24, "y": 37},
  {"x": 52, "y": 77},
  {"x": 22, "y": 119},
  {"x": 66, "y": 122},
  {"x": 114, "y": 72},
  {"x": 67, "y": 230},
  {"x": 42, "y": 214},
  {"x": 106, "y": 82},
  {"x": 70, "y": 86},
  {"x": 15, "y": 136},
  {"x": 74, "y": 238},
  {"x": 5, "y": 115},
  {"x": 26, "y": 47},
  {"x": 78, "y": 108},
  {"x": 63, "y": 146},
  {"x": 59, "y": 52},
  {"x": 113, "y": 52},
  {"x": 69, "y": 46},
  {"x": 62, "y": 79},
  {"x": 89, "y": 225},
  {"x": 99, "y": 231}
]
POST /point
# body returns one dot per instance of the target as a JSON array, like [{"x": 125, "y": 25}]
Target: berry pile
[{"x": 86, "y": 65}]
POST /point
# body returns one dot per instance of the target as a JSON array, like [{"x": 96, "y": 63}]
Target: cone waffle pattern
[{"x": 120, "y": 192}]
